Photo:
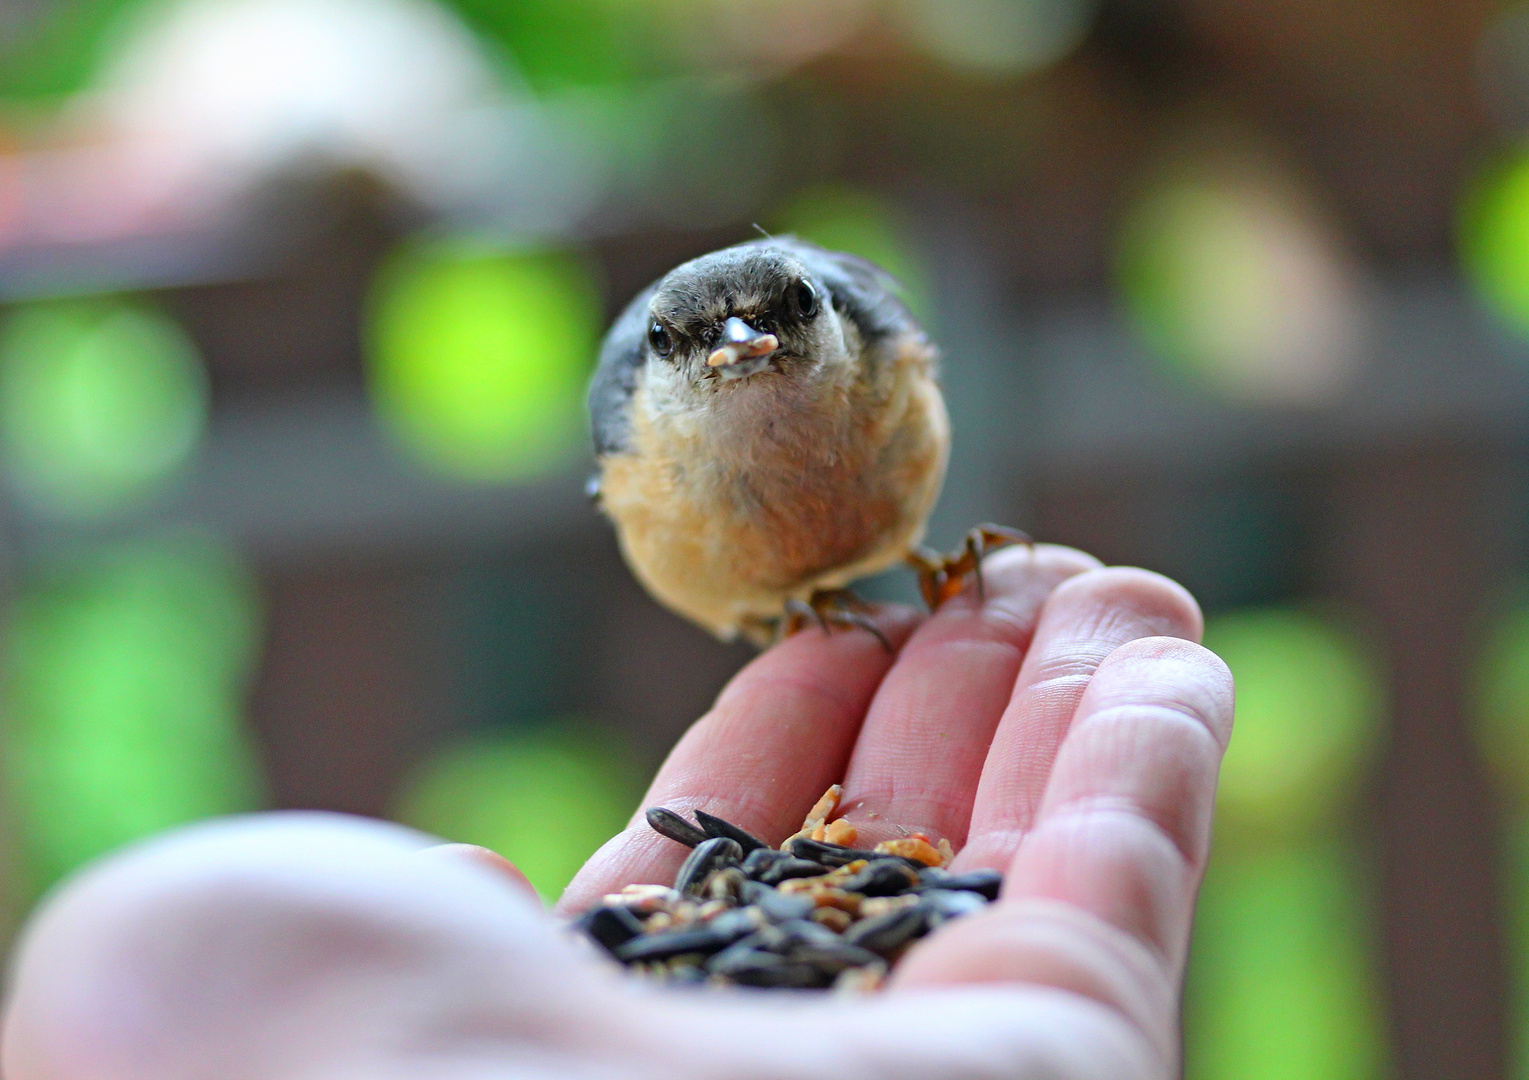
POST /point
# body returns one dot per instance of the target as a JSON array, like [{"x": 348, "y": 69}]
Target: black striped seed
[
  {"x": 887, "y": 933},
  {"x": 761, "y": 937},
  {"x": 788, "y": 868},
  {"x": 666, "y": 822},
  {"x": 715, "y": 826},
  {"x": 756, "y": 862},
  {"x": 718, "y": 853},
  {"x": 835, "y": 855},
  {"x": 611, "y": 927},
  {"x": 706, "y": 939},
  {"x": 983, "y": 882},
  {"x": 884, "y": 877},
  {"x": 775, "y": 905}
]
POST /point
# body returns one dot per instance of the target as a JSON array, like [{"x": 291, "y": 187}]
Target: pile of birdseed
[{"x": 817, "y": 913}]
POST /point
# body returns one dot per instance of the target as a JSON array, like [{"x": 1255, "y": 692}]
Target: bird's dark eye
[
  {"x": 806, "y": 299},
  {"x": 659, "y": 338}
]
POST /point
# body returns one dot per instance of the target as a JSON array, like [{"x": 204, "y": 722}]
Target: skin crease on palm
[{"x": 1068, "y": 731}]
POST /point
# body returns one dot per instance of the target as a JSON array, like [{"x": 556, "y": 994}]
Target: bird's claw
[
  {"x": 828, "y": 608},
  {"x": 941, "y": 577}
]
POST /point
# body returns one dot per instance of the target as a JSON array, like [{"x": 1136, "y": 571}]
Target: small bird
[{"x": 768, "y": 429}]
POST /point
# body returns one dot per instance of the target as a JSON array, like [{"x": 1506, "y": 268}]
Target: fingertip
[
  {"x": 1180, "y": 674},
  {"x": 1159, "y": 603},
  {"x": 635, "y": 855},
  {"x": 486, "y": 859},
  {"x": 1026, "y": 557}
]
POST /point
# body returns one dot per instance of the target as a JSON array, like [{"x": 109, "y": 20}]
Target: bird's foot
[
  {"x": 828, "y": 608},
  {"x": 942, "y": 576}
]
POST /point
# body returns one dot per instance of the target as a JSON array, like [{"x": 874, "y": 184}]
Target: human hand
[{"x": 1062, "y": 731}]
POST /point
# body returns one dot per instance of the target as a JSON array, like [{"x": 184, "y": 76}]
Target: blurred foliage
[
  {"x": 125, "y": 672},
  {"x": 1502, "y": 734},
  {"x": 692, "y": 153},
  {"x": 554, "y": 43},
  {"x": 1234, "y": 280},
  {"x": 562, "y": 43},
  {"x": 1282, "y": 982},
  {"x": 1515, "y": 877},
  {"x": 478, "y": 358},
  {"x": 1494, "y": 238},
  {"x": 545, "y": 800},
  {"x": 1308, "y": 722},
  {"x": 843, "y": 218},
  {"x": 100, "y": 401},
  {"x": 1516, "y": 889},
  {"x": 1502, "y": 706},
  {"x": 57, "y": 52},
  {"x": 997, "y": 38}
]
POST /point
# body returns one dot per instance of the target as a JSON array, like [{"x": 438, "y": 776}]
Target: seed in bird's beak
[{"x": 740, "y": 341}]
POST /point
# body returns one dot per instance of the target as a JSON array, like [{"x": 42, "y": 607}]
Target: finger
[
  {"x": 1124, "y": 826},
  {"x": 1098, "y": 899},
  {"x": 279, "y": 945},
  {"x": 779, "y": 735},
  {"x": 486, "y": 859},
  {"x": 923, "y": 743},
  {"x": 1083, "y": 621}
]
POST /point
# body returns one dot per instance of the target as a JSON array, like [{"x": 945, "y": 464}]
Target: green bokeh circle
[
  {"x": 544, "y": 800},
  {"x": 478, "y": 358},
  {"x": 1502, "y": 705},
  {"x": 1308, "y": 719},
  {"x": 100, "y": 401},
  {"x": 1494, "y": 238}
]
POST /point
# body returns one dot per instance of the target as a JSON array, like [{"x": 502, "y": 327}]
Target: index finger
[{"x": 778, "y": 736}]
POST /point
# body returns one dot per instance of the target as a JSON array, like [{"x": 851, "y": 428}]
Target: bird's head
[{"x": 756, "y": 310}]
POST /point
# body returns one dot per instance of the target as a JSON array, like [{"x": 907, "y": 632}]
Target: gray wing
[{"x": 615, "y": 380}]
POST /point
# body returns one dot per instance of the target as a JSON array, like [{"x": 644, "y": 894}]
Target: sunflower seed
[
  {"x": 757, "y": 862},
  {"x": 791, "y": 867},
  {"x": 832, "y": 959},
  {"x": 783, "y": 937},
  {"x": 738, "y": 922},
  {"x": 887, "y": 933},
  {"x": 715, "y": 826},
  {"x": 813, "y": 916},
  {"x": 763, "y": 969},
  {"x": 833, "y": 855},
  {"x": 715, "y": 854},
  {"x": 883, "y": 877},
  {"x": 612, "y": 927},
  {"x": 952, "y": 903},
  {"x": 666, "y": 822},
  {"x": 705, "y": 939},
  {"x": 776, "y": 906},
  {"x": 983, "y": 882}
]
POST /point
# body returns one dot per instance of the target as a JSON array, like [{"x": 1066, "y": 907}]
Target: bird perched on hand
[{"x": 768, "y": 429}]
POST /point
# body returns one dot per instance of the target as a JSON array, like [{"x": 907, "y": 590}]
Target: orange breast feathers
[{"x": 726, "y": 514}]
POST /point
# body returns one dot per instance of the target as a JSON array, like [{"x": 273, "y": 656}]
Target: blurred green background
[{"x": 298, "y": 299}]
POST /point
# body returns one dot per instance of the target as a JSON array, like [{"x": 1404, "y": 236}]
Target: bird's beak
[{"x": 741, "y": 342}]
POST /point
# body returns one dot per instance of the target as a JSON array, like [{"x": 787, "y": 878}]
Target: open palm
[{"x": 1066, "y": 731}]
